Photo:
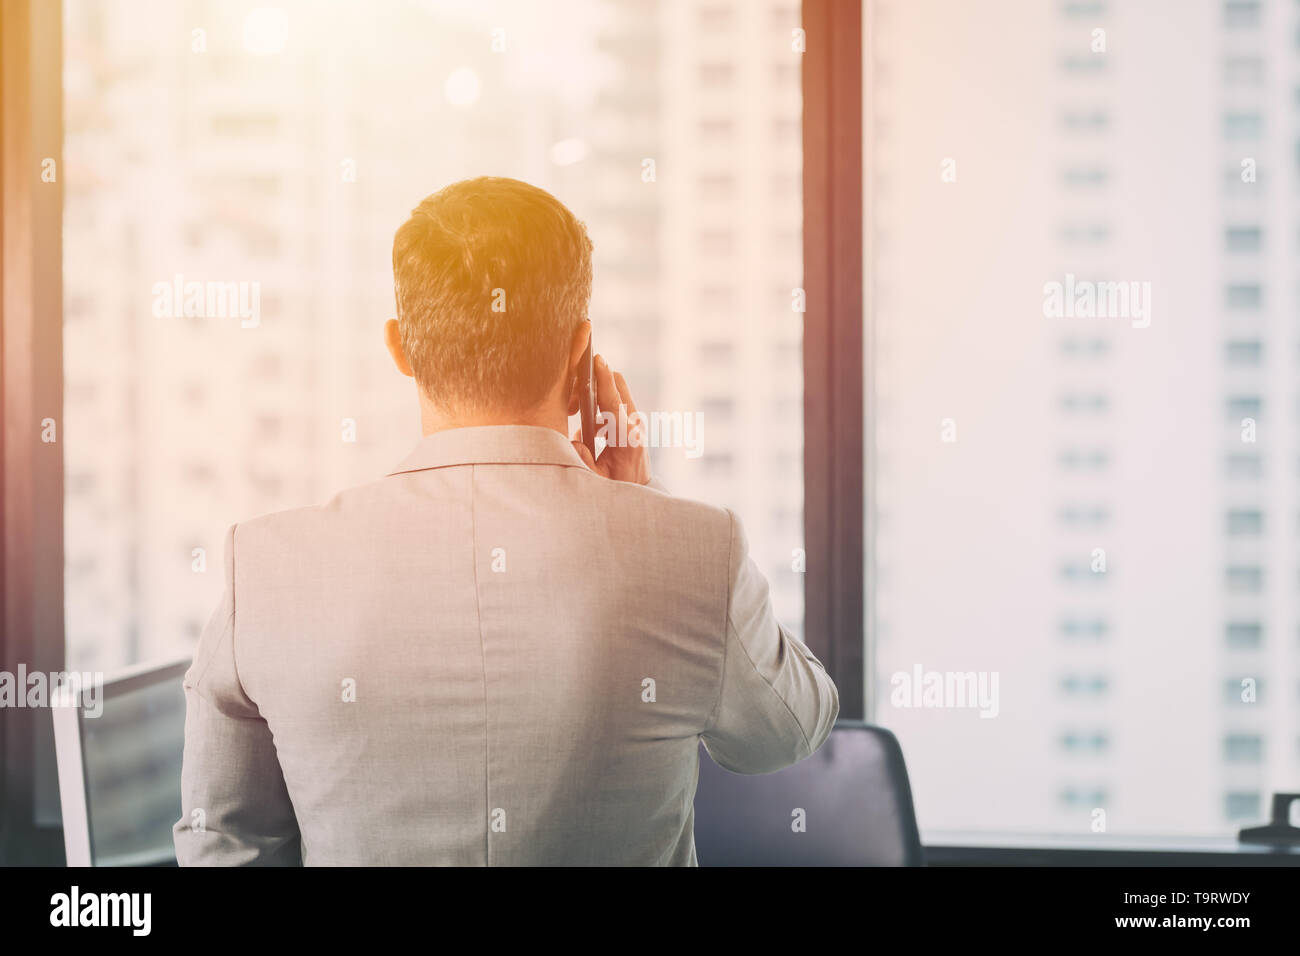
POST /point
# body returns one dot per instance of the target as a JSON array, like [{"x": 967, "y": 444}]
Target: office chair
[{"x": 855, "y": 798}]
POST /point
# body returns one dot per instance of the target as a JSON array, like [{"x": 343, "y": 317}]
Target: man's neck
[{"x": 434, "y": 420}]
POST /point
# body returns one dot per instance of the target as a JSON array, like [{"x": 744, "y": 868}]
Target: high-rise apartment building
[{"x": 1098, "y": 507}]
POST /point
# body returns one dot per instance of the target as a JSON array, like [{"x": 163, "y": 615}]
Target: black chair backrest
[{"x": 854, "y": 796}]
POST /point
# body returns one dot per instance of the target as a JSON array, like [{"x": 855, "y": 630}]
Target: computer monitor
[{"x": 120, "y": 772}]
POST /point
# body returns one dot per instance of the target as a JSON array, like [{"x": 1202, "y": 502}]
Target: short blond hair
[{"x": 492, "y": 276}]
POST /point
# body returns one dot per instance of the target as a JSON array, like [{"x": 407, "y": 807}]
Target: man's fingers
[
  {"x": 621, "y": 383},
  {"x": 607, "y": 393}
]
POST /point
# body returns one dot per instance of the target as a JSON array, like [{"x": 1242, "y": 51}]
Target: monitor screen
[{"x": 132, "y": 754}]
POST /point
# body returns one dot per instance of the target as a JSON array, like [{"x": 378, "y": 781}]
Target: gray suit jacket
[{"x": 491, "y": 656}]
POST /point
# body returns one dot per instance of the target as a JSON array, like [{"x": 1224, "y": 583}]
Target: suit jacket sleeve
[
  {"x": 776, "y": 704},
  {"x": 234, "y": 804}
]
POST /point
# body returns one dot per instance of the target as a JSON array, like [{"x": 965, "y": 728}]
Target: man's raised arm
[{"x": 777, "y": 704}]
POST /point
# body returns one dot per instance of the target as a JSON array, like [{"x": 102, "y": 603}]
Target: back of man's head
[{"x": 492, "y": 277}]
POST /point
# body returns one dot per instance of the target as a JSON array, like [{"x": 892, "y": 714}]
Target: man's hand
[{"x": 629, "y": 462}]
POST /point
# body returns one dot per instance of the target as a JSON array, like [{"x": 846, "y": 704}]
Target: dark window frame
[
  {"x": 31, "y": 469},
  {"x": 835, "y": 324}
]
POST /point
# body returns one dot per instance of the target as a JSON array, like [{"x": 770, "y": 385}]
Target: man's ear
[
  {"x": 393, "y": 339},
  {"x": 581, "y": 336}
]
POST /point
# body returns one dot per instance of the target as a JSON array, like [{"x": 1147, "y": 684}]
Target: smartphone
[{"x": 587, "y": 399}]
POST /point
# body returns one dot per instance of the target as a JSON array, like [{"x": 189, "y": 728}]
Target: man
[{"x": 505, "y": 652}]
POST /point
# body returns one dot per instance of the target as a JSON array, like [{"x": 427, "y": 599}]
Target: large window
[
  {"x": 273, "y": 150},
  {"x": 1082, "y": 374}
]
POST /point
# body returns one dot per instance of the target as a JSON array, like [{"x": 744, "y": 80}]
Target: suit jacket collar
[{"x": 491, "y": 445}]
